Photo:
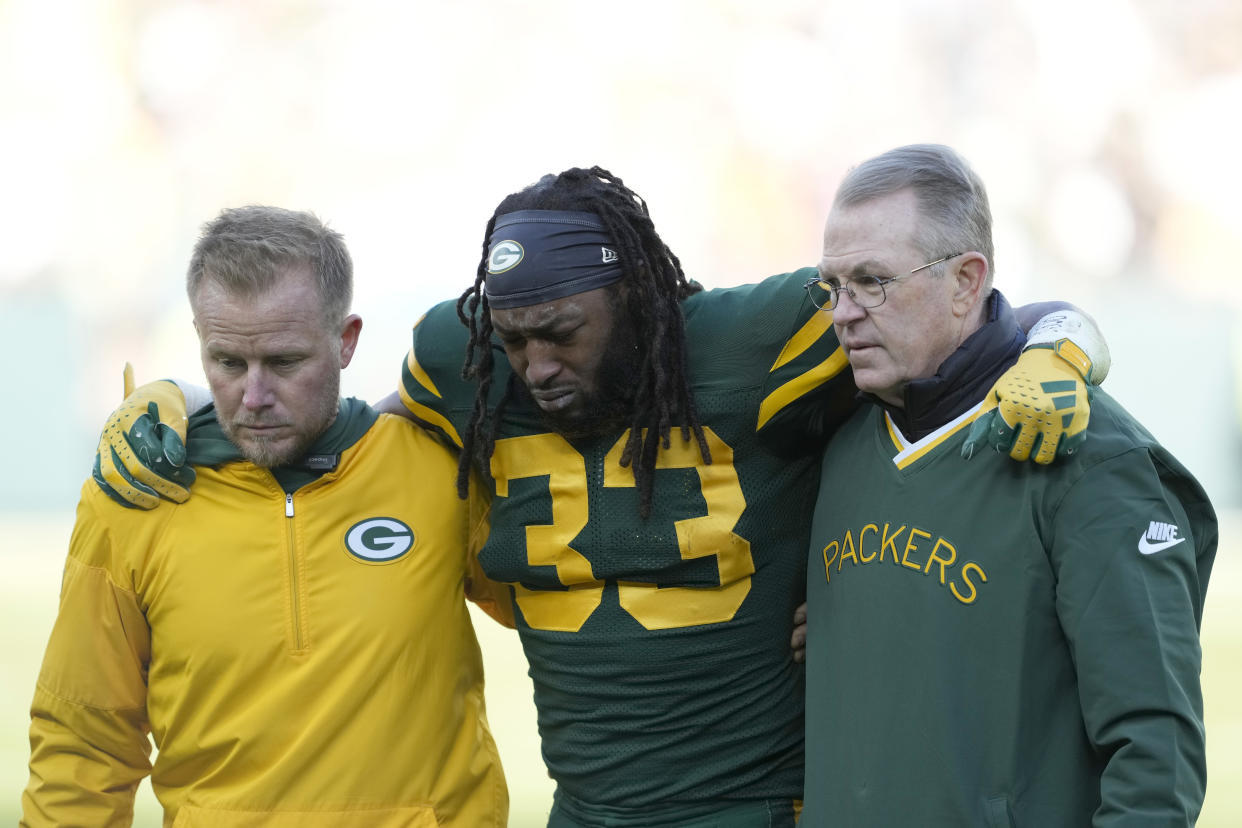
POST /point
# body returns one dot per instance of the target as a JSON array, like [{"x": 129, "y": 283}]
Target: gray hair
[
  {"x": 247, "y": 249},
  {"x": 951, "y": 197}
]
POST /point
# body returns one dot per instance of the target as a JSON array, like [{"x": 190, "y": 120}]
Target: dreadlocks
[{"x": 654, "y": 287}]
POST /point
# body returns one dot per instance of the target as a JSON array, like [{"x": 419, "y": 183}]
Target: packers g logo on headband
[{"x": 505, "y": 255}]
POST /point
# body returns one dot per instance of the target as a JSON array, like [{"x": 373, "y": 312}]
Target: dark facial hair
[{"x": 608, "y": 407}]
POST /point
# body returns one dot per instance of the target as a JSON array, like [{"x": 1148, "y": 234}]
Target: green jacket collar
[{"x": 206, "y": 444}]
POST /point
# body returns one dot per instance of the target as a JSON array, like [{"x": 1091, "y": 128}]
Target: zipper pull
[{"x": 288, "y": 504}]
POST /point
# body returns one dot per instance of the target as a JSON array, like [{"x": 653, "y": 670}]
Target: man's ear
[
  {"x": 970, "y": 274},
  {"x": 349, "y": 337}
]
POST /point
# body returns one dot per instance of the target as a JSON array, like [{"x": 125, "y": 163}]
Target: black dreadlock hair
[{"x": 654, "y": 287}]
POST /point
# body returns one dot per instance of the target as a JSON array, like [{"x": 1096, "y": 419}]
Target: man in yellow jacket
[{"x": 294, "y": 636}]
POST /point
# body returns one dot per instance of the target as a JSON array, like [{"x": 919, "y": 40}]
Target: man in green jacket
[{"x": 989, "y": 644}]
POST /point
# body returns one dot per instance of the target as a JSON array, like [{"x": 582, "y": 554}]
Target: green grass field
[{"x": 33, "y": 549}]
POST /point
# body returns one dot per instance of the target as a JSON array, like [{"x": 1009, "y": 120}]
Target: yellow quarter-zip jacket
[{"x": 300, "y": 659}]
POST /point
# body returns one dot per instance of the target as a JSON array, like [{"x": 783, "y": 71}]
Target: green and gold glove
[
  {"x": 141, "y": 455},
  {"x": 1042, "y": 405}
]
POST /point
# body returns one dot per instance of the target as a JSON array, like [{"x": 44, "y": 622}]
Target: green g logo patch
[{"x": 379, "y": 540}]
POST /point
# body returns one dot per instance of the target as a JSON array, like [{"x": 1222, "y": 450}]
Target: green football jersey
[
  {"x": 659, "y": 648},
  {"x": 994, "y": 643}
]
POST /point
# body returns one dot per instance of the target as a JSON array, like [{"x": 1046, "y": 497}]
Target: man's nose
[
  {"x": 258, "y": 393},
  {"x": 847, "y": 310},
  {"x": 542, "y": 362}
]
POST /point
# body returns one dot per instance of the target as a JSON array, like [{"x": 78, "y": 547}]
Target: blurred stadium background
[{"x": 1106, "y": 130}]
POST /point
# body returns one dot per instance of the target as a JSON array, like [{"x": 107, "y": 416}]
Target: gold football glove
[
  {"x": 141, "y": 455},
  {"x": 1042, "y": 405}
]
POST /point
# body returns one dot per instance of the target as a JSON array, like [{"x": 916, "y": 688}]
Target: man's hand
[
  {"x": 1042, "y": 405},
  {"x": 141, "y": 455},
  {"x": 798, "y": 642}
]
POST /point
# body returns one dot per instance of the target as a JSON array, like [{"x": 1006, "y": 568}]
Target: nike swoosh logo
[{"x": 1148, "y": 548}]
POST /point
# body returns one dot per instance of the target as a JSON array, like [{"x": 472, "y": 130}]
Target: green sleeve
[
  {"x": 432, "y": 387},
  {"x": 809, "y": 389},
  {"x": 1131, "y": 611}
]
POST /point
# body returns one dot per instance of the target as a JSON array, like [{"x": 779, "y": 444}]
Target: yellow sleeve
[
  {"x": 492, "y": 597},
  {"x": 89, "y": 743}
]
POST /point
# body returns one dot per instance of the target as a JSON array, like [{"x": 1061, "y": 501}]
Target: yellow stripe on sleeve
[
  {"x": 430, "y": 416},
  {"x": 807, "y": 336},
  {"x": 801, "y": 384},
  {"x": 420, "y": 376}
]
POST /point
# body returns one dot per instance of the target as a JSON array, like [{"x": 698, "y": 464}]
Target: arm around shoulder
[{"x": 1041, "y": 406}]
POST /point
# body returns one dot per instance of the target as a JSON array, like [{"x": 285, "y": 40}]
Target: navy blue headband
[{"x": 539, "y": 255}]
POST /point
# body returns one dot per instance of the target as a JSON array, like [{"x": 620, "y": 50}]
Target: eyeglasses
[{"x": 864, "y": 291}]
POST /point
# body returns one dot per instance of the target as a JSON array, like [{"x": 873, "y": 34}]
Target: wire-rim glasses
[{"x": 865, "y": 291}]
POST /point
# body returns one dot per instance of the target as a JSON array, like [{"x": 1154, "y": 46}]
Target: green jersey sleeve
[
  {"x": 771, "y": 337},
  {"x": 432, "y": 387}
]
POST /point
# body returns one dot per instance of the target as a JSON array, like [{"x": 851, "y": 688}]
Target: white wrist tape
[
  {"x": 196, "y": 396},
  {"x": 1080, "y": 330}
]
